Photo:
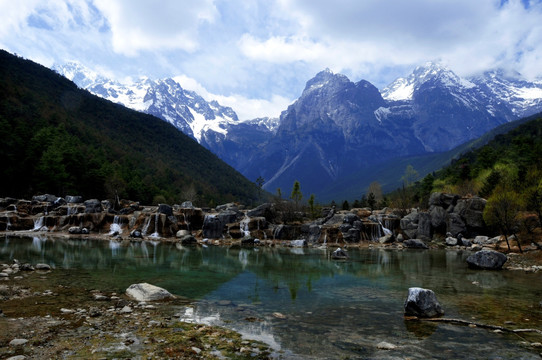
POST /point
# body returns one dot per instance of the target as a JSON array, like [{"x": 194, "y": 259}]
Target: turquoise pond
[{"x": 306, "y": 305}]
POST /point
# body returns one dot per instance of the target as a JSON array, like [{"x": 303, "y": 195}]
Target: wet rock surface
[{"x": 68, "y": 322}]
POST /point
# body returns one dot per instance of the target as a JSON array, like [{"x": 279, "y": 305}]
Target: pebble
[
  {"x": 386, "y": 346},
  {"x": 17, "y": 357},
  {"x": 67, "y": 311},
  {"x": 43, "y": 267},
  {"x": 17, "y": 342},
  {"x": 196, "y": 350},
  {"x": 126, "y": 310},
  {"x": 279, "y": 315},
  {"x": 4, "y": 275}
]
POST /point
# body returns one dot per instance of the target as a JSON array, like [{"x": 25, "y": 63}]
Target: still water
[{"x": 306, "y": 305}]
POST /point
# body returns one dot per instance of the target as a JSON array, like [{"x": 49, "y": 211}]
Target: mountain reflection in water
[{"x": 303, "y": 303}]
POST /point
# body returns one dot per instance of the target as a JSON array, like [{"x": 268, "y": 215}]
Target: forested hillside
[{"x": 59, "y": 139}]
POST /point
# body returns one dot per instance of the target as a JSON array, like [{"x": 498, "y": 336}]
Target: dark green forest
[{"x": 59, "y": 139}]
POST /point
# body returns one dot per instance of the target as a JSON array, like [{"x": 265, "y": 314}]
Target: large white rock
[{"x": 148, "y": 292}]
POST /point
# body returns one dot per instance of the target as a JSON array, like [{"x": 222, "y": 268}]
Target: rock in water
[
  {"x": 148, "y": 292},
  {"x": 487, "y": 260},
  {"x": 422, "y": 303},
  {"x": 415, "y": 244}
]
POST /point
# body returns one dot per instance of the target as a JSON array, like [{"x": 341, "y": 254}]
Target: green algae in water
[{"x": 301, "y": 300}]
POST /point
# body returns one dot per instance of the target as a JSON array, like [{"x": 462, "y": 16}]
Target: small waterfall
[
  {"x": 38, "y": 223},
  {"x": 116, "y": 226},
  {"x": 72, "y": 209},
  {"x": 156, "y": 234},
  {"x": 8, "y": 223},
  {"x": 146, "y": 226},
  {"x": 186, "y": 222},
  {"x": 244, "y": 226},
  {"x": 386, "y": 230},
  {"x": 325, "y": 238}
]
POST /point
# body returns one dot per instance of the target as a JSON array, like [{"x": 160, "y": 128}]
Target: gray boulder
[
  {"x": 314, "y": 233},
  {"x": 148, "y": 292},
  {"x": 339, "y": 254},
  {"x": 387, "y": 239},
  {"x": 187, "y": 205},
  {"x": 93, "y": 206},
  {"x": 74, "y": 230},
  {"x": 443, "y": 200},
  {"x": 424, "y": 225},
  {"x": 165, "y": 209},
  {"x": 471, "y": 211},
  {"x": 422, "y": 303},
  {"x": 74, "y": 199},
  {"x": 188, "y": 240},
  {"x": 212, "y": 227},
  {"x": 409, "y": 224},
  {"x": 415, "y": 244},
  {"x": 451, "y": 241},
  {"x": 349, "y": 218},
  {"x": 438, "y": 217},
  {"x": 487, "y": 260},
  {"x": 456, "y": 224}
]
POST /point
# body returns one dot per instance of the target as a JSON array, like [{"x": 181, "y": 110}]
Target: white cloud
[
  {"x": 258, "y": 54},
  {"x": 246, "y": 108},
  {"x": 149, "y": 25},
  {"x": 356, "y": 36}
]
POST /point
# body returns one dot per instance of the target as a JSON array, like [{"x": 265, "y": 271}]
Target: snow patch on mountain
[{"x": 164, "y": 98}]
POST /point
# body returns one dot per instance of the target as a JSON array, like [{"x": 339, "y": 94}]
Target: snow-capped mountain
[
  {"x": 163, "y": 98},
  {"x": 337, "y": 128},
  {"x": 209, "y": 123}
]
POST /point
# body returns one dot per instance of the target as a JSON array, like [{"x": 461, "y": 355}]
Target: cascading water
[
  {"x": 72, "y": 209},
  {"x": 146, "y": 226},
  {"x": 156, "y": 234},
  {"x": 244, "y": 226},
  {"x": 115, "y": 226},
  {"x": 38, "y": 223},
  {"x": 186, "y": 222},
  {"x": 8, "y": 223},
  {"x": 386, "y": 230}
]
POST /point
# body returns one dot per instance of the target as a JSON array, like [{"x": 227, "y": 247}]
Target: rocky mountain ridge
[{"x": 336, "y": 127}]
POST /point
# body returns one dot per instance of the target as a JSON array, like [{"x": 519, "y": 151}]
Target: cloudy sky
[{"x": 256, "y": 55}]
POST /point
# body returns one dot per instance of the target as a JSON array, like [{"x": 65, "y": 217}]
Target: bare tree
[{"x": 502, "y": 211}]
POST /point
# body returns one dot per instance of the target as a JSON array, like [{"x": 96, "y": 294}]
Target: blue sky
[{"x": 256, "y": 55}]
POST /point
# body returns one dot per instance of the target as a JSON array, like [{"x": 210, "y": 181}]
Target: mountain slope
[
  {"x": 214, "y": 126},
  {"x": 388, "y": 174},
  {"x": 340, "y": 130},
  {"x": 61, "y": 139}
]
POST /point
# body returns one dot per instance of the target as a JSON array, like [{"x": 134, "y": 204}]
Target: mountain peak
[
  {"x": 325, "y": 78},
  {"x": 403, "y": 88}
]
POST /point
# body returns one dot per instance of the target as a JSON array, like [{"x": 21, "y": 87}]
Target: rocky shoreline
[{"x": 39, "y": 318}]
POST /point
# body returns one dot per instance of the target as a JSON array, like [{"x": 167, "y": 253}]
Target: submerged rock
[
  {"x": 422, "y": 303},
  {"x": 415, "y": 244},
  {"x": 339, "y": 254},
  {"x": 487, "y": 260},
  {"x": 148, "y": 292}
]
